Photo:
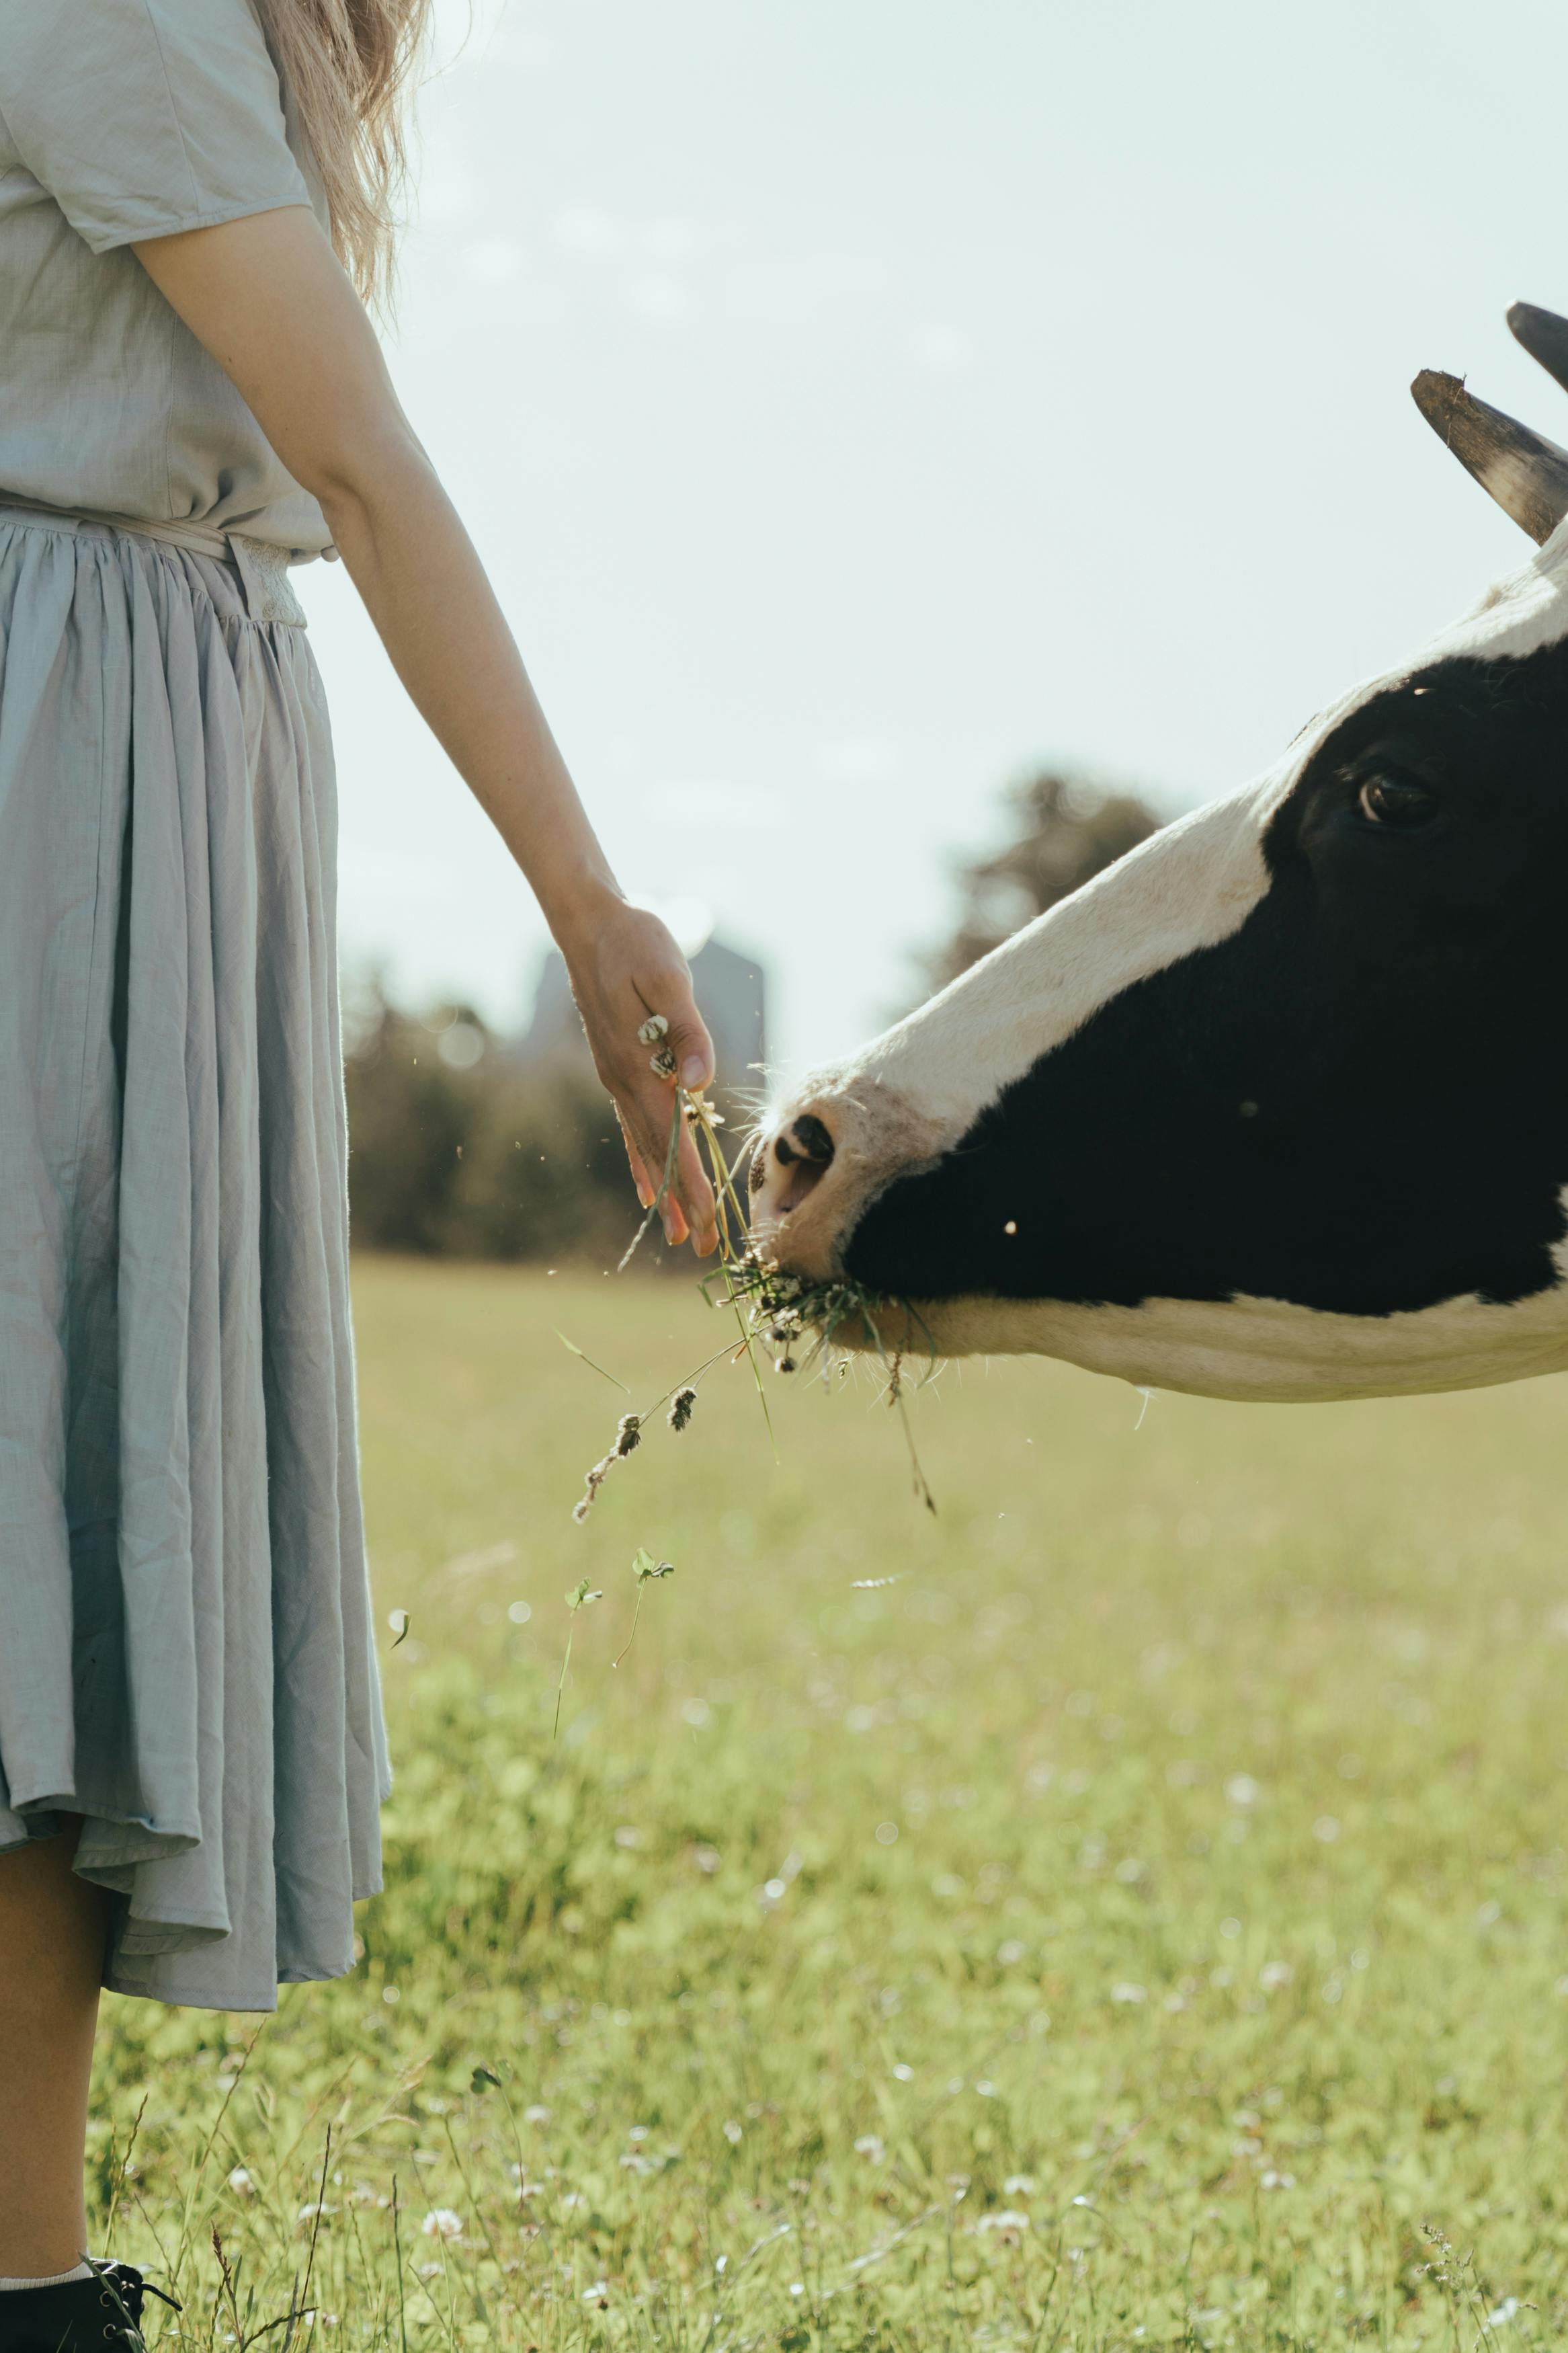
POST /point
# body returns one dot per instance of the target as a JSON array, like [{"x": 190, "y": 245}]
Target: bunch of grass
[{"x": 793, "y": 1322}]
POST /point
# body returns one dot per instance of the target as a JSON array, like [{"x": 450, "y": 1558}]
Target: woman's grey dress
[{"x": 186, "y": 1658}]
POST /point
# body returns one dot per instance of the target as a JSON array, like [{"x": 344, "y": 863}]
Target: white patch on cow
[
  {"x": 1258, "y": 1351},
  {"x": 1188, "y": 887},
  {"x": 909, "y": 1096}
]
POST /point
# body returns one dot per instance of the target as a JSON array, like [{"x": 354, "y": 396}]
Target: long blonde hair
[{"x": 350, "y": 66}]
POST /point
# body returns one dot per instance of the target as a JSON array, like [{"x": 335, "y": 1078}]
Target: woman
[{"x": 191, "y": 398}]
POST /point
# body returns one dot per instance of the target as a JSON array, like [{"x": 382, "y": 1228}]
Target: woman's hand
[
  {"x": 624, "y": 967},
  {"x": 266, "y": 297}
]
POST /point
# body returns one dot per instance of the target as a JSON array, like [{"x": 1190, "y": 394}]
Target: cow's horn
[
  {"x": 1524, "y": 472},
  {"x": 1545, "y": 336}
]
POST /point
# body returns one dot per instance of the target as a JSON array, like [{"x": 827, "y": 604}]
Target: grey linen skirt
[{"x": 186, "y": 1658}]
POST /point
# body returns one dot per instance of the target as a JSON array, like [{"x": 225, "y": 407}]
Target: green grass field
[{"x": 1130, "y": 1909}]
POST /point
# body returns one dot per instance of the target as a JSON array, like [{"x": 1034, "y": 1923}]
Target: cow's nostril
[
  {"x": 804, "y": 1154},
  {"x": 812, "y": 1140},
  {"x": 788, "y": 1166},
  {"x": 807, "y": 1141}
]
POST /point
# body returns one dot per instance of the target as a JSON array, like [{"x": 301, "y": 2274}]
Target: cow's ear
[{"x": 1524, "y": 472}]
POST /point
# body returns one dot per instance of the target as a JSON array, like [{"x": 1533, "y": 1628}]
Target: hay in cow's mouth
[{"x": 794, "y": 1322}]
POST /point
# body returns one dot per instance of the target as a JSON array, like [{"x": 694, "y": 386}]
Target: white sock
[{"x": 56, "y": 2279}]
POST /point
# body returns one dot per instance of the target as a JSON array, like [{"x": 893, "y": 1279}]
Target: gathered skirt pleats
[{"x": 186, "y": 1652}]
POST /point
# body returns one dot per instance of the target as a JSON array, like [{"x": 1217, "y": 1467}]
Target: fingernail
[
  {"x": 694, "y": 1072},
  {"x": 647, "y": 1195}
]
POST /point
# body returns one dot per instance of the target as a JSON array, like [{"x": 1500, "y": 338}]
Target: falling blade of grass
[
  {"x": 581, "y": 1595},
  {"x": 588, "y": 1361},
  {"x": 648, "y": 1571}
]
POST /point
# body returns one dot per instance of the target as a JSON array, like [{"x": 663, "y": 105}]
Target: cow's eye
[{"x": 1399, "y": 802}]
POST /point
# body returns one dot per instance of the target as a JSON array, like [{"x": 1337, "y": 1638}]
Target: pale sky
[{"x": 857, "y": 401}]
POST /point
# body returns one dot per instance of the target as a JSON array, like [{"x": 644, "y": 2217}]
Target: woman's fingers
[
  {"x": 645, "y": 1187},
  {"x": 688, "y": 1210},
  {"x": 697, "y": 1197},
  {"x": 691, "y": 1046},
  {"x": 633, "y": 991}
]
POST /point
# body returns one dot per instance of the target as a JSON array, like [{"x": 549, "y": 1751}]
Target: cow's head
[{"x": 1277, "y": 1106}]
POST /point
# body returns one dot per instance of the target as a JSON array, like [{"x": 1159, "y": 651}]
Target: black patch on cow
[{"x": 1358, "y": 1102}]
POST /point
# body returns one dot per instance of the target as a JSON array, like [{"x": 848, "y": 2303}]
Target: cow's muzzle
[{"x": 787, "y": 1168}]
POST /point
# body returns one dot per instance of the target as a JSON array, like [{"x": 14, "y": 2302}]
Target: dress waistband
[{"x": 263, "y": 569}]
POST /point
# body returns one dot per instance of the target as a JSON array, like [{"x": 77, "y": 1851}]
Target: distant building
[{"x": 731, "y": 993}]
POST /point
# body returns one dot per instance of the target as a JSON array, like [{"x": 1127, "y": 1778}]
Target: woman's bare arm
[{"x": 268, "y": 299}]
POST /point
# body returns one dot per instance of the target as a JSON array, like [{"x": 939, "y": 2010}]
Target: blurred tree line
[
  {"x": 457, "y": 1149},
  {"x": 460, "y": 1148}
]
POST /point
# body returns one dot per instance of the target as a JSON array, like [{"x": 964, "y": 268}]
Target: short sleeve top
[{"x": 122, "y": 120}]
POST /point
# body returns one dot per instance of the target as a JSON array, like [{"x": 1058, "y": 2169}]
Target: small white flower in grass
[
  {"x": 1007, "y": 2219},
  {"x": 870, "y": 2144},
  {"x": 1503, "y": 2313},
  {"x": 1126, "y": 1991},
  {"x": 733, "y": 2133},
  {"x": 572, "y": 2201},
  {"x": 442, "y": 2223},
  {"x": 906, "y": 2074},
  {"x": 1018, "y": 2185},
  {"x": 598, "y": 2293},
  {"x": 797, "y": 2287},
  {"x": 313, "y": 2214},
  {"x": 239, "y": 2182},
  {"x": 536, "y": 2115},
  {"x": 1272, "y": 2180},
  {"x": 1274, "y": 1974},
  {"x": 428, "y": 2271}
]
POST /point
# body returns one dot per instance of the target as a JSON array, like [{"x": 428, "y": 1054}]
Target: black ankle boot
[{"x": 101, "y": 2314}]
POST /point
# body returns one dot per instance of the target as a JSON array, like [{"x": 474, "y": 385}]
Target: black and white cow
[{"x": 1277, "y": 1106}]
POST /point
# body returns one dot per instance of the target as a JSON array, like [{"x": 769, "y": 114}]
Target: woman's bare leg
[{"x": 51, "y": 1962}]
